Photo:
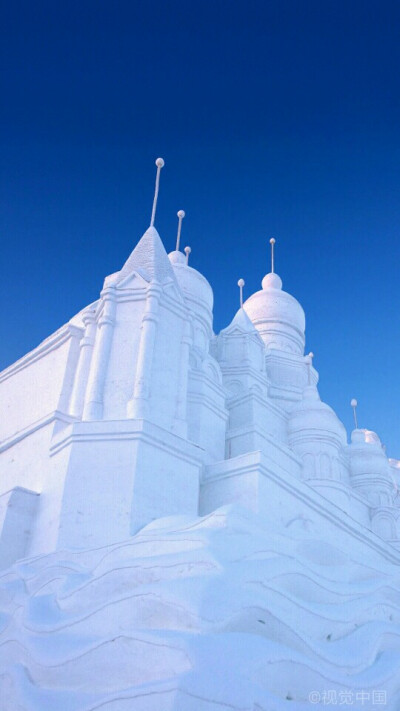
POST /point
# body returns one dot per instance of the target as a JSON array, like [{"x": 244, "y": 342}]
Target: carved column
[
  {"x": 93, "y": 409},
  {"x": 82, "y": 371},
  {"x": 137, "y": 408}
]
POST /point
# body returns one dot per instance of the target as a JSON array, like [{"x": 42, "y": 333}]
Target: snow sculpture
[
  {"x": 136, "y": 411},
  {"x": 118, "y": 433}
]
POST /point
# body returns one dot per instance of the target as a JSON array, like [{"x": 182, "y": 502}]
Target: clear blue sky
[{"x": 274, "y": 118}]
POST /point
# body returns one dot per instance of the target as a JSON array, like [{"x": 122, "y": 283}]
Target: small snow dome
[
  {"x": 311, "y": 414},
  {"x": 368, "y": 439},
  {"x": 365, "y": 436},
  {"x": 368, "y": 460},
  {"x": 277, "y": 316},
  {"x": 195, "y": 287}
]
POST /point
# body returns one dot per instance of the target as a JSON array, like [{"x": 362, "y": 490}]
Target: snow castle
[{"x": 172, "y": 502}]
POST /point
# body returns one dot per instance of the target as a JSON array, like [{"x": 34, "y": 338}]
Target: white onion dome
[
  {"x": 368, "y": 462},
  {"x": 367, "y": 453},
  {"x": 363, "y": 436},
  {"x": 195, "y": 287},
  {"x": 277, "y": 316},
  {"x": 312, "y": 417}
]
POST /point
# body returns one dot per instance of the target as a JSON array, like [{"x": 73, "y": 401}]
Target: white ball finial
[
  {"x": 272, "y": 243},
  {"x": 354, "y": 403},
  {"x": 241, "y": 285},
  {"x": 181, "y": 215},
  {"x": 187, "y": 251},
  {"x": 160, "y": 164}
]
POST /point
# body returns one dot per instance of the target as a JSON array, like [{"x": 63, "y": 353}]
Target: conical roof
[
  {"x": 242, "y": 323},
  {"x": 149, "y": 259}
]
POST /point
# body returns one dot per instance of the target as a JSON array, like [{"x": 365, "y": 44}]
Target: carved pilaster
[
  {"x": 93, "y": 409},
  {"x": 137, "y": 407},
  {"x": 82, "y": 371}
]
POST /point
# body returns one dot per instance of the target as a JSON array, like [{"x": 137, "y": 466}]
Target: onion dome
[
  {"x": 369, "y": 466},
  {"x": 277, "y": 316},
  {"x": 312, "y": 417},
  {"x": 367, "y": 454},
  {"x": 195, "y": 287}
]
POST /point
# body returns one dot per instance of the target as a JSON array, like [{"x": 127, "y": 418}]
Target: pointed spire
[
  {"x": 160, "y": 164},
  {"x": 181, "y": 215},
  {"x": 149, "y": 259},
  {"x": 354, "y": 404},
  {"x": 241, "y": 321},
  {"x": 241, "y": 283},
  {"x": 272, "y": 243},
  {"x": 187, "y": 251}
]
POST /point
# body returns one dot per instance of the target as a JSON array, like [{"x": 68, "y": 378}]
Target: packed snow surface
[{"x": 220, "y": 612}]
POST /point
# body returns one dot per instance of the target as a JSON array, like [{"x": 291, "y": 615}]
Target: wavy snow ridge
[{"x": 206, "y": 615}]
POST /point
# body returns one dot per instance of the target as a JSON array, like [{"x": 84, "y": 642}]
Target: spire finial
[
  {"x": 310, "y": 365},
  {"x": 187, "y": 251},
  {"x": 241, "y": 284},
  {"x": 181, "y": 215},
  {"x": 272, "y": 242},
  {"x": 160, "y": 164},
  {"x": 354, "y": 404}
]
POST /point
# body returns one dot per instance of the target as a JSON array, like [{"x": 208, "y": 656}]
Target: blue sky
[{"x": 274, "y": 118}]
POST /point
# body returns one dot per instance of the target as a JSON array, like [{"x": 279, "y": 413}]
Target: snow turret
[
  {"x": 206, "y": 413},
  {"x": 280, "y": 321},
  {"x": 136, "y": 397},
  {"x": 253, "y": 418},
  {"x": 197, "y": 293},
  {"x": 316, "y": 433}
]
